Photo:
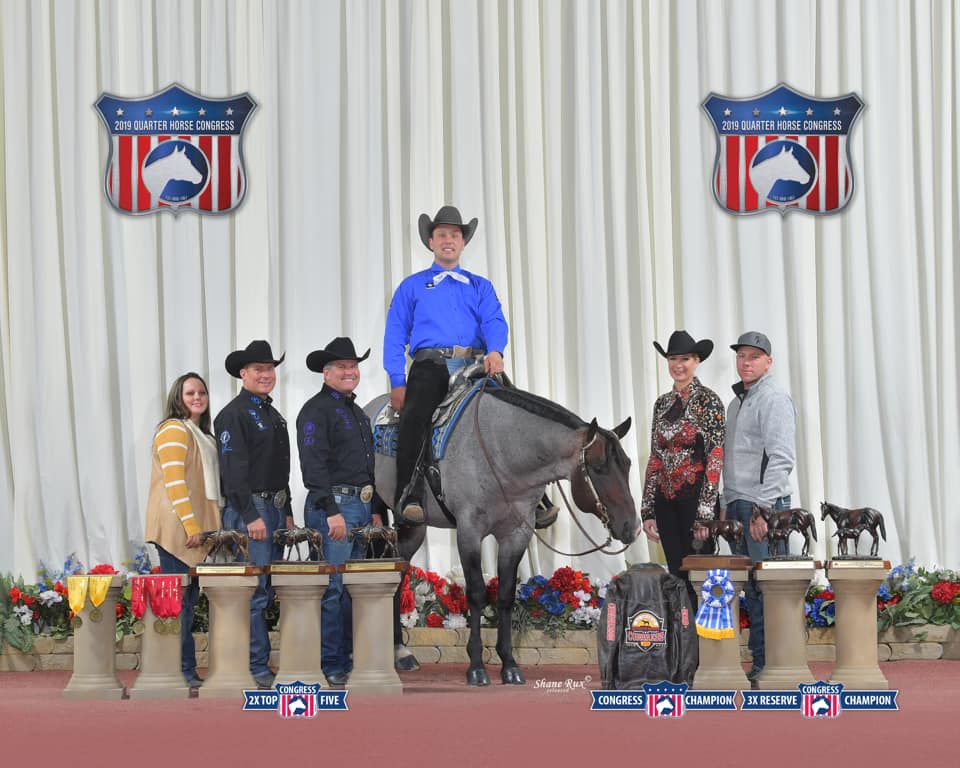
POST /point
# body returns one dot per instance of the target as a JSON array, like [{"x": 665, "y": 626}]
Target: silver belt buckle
[
  {"x": 366, "y": 494},
  {"x": 280, "y": 499}
]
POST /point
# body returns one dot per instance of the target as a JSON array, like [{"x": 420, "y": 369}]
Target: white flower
[
  {"x": 586, "y": 616},
  {"x": 455, "y": 621},
  {"x": 584, "y": 597},
  {"x": 49, "y": 597},
  {"x": 424, "y": 588},
  {"x": 410, "y": 619},
  {"x": 602, "y": 591},
  {"x": 25, "y": 613},
  {"x": 455, "y": 575}
]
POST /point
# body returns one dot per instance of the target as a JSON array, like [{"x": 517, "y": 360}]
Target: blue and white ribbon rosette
[{"x": 715, "y": 618}]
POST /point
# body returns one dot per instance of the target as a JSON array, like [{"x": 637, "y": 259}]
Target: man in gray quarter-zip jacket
[{"x": 760, "y": 452}]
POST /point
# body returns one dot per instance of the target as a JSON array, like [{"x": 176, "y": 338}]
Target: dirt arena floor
[{"x": 439, "y": 721}]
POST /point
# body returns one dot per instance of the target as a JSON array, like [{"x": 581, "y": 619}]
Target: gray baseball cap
[{"x": 753, "y": 339}]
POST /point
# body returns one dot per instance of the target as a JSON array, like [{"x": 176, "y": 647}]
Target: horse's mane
[{"x": 538, "y": 406}]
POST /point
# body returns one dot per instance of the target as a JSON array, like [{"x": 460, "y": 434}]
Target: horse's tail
[
  {"x": 883, "y": 530},
  {"x": 813, "y": 526}
]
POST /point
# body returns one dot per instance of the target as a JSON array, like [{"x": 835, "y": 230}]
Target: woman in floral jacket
[{"x": 686, "y": 455}]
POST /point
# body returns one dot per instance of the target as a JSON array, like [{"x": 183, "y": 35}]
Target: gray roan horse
[{"x": 529, "y": 441}]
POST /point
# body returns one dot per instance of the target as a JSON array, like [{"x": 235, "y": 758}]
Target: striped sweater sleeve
[{"x": 170, "y": 445}]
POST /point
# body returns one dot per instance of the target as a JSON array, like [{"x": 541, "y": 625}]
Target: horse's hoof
[
  {"x": 512, "y": 676},
  {"x": 477, "y": 677},
  {"x": 407, "y": 664}
]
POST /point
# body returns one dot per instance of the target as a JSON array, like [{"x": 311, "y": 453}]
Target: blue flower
[
  {"x": 552, "y": 603},
  {"x": 541, "y": 580},
  {"x": 526, "y": 590},
  {"x": 883, "y": 593}
]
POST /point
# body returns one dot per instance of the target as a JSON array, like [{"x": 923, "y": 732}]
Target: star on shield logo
[
  {"x": 175, "y": 150},
  {"x": 783, "y": 151}
]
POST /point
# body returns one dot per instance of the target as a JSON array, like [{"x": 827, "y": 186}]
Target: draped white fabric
[{"x": 573, "y": 130}]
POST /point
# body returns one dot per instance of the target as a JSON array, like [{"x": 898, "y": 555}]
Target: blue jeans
[
  {"x": 336, "y": 608},
  {"x": 757, "y": 550},
  {"x": 188, "y": 650},
  {"x": 261, "y": 553}
]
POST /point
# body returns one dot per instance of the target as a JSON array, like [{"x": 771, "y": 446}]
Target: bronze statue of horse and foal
[
  {"x": 781, "y": 523},
  {"x": 852, "y": 522},
  {"x": 730, "y": 531},
  {"x": 226, "y": 547}
]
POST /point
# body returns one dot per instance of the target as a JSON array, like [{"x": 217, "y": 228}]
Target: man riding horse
[{"x": 448, "y": 318}]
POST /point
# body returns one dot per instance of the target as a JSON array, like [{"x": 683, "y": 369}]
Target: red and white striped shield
[
  {"x": 783, "y": 150},
  {"x": 175, "y": 150},
  {"x": 297, "y": 705}
]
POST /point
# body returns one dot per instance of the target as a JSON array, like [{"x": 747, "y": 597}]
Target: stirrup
[
  {"x": 412, "y": 513},
  {"x": 546, "y": 513}
]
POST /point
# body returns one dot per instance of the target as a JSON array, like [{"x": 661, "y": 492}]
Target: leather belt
[
  {"x": 365, "y": 493},
  {"x": 456, "y": 352},
  {"x": 279, "y": 498}
]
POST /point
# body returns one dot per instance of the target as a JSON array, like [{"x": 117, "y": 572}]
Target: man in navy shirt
[
  {"x": 447, "y": 317},
  {"x": 254, "y": 475},
  {"x": 337, "y": 460}
]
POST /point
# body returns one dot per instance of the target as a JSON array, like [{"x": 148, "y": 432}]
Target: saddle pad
[{"x": 445, "y": 418}]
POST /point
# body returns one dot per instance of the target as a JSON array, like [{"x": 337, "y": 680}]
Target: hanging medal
[
  {"x": 98, "y": 593},
  {"x": 77, "y": 597}
]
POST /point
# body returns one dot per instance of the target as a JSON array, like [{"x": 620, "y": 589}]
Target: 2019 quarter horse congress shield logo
[
  {"x": 783, "y": 151},
  {"x": 174, "y": 151}
]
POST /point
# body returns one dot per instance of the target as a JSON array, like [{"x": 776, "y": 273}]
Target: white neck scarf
[{"x": 458, "y": 276}]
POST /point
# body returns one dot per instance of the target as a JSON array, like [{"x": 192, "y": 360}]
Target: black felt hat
[
  {"x": 256, "y": 352},
  {"x": 682, "y": 343},
  {"x": 446, "y": 215},
  {"x": 341, "y": 348}
]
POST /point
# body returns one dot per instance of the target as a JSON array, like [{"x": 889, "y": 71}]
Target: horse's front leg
[
  {"x": 510, "y": 554},
  {"x": 409, "y": 540},
  {"x": 469, "y": 546}
]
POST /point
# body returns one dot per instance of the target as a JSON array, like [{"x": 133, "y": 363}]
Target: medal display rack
[
  {"x": 372, "y": 585},
  {"x": 160, "y": 662},
  {"x": 94, "y": 660}
]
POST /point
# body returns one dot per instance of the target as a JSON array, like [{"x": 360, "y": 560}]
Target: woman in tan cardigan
[{"x": 184, "y": 496}]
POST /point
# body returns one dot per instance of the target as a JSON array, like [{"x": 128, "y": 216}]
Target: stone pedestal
[
  {"x": 720, "y": 667},
  {"x": 94, "y": 645},
  {"x": 855, "y": 584},
  {"x": 784, "y": 584},
  {"x": 372, "y": 585},
  {"x": 300, "y": 596},
  {"x": 229, "y": 640},
  {"x": 160, "y": 669}
]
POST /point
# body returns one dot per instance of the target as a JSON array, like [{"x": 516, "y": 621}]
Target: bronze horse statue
[
  {"x": 371, "y": 534},
  {"x": 291, "y": 539},
  {"x": 843, "y": 535},
  {"x": 730, "y": 531},
  {"x": 227, "y": 546},
  {"x": 782, "y": 522},
  {"x": 858, "y": 520}
]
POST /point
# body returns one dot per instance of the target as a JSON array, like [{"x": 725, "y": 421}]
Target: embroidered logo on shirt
[
  {"x": 308, "y": 429},
  {"x": 225, "y": 442}
]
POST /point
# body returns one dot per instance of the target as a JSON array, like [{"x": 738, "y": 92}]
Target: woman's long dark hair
[{"x": 175, "y": 407}]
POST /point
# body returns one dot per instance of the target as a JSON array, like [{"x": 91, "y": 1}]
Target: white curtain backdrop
[{"x": 573, "y": 130}]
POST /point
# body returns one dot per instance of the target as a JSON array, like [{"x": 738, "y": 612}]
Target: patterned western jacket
[{"x": 686, "y": 448}]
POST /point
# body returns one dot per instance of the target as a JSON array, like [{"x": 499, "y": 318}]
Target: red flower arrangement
[
  {"x": 103, "y": 569},
  {"x": 945, "y": 592}
]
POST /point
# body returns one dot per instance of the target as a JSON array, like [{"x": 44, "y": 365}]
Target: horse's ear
[
  {"x": 623, "y": 428},
  {"x": 591, "y": 432}
]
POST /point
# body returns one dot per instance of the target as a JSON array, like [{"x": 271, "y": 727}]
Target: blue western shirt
[{"x": 425, "y": 313}]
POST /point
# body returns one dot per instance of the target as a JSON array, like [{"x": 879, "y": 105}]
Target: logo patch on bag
[{"x": 645, "y": 630}]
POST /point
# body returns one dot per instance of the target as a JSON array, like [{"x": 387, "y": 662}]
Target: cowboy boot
[
  {"x": 546, "y": 513},
  {"x": 411, "y": 505}
]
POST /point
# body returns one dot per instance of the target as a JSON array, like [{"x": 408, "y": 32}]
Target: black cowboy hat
[
  {"x": 446, "y": 215},
  {"x": 341, "y": 348},
  {"x": 256, "y": 352},
  {"x": 682, "y": 343}
]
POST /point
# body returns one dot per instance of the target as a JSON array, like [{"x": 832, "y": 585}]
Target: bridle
[{"x": 599, "y": 506}]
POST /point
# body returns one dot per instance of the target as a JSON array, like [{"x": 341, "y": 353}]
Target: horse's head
[
  {"x": 759, "y": 511},
  {"x": 601, "y": 483},
  {"x": 825, "y": 509}
]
